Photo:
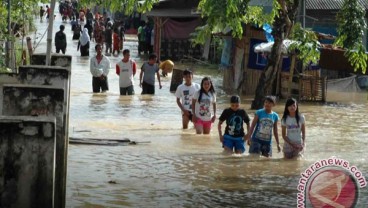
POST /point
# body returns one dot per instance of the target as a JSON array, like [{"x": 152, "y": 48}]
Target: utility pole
[
  {"x": 8, "y": 50},
  {"x": 302, "y": 13},
  {"x": 49, "y": 33}
]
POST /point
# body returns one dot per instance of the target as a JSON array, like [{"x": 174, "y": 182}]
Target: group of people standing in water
[{"x": 198, "y": 105}]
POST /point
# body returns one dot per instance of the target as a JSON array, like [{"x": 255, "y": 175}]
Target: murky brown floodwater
[{"x": 181, "y": 169}]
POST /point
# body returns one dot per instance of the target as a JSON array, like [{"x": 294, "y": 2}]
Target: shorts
[
  {"x": 99, "y": 84},
  {"x": 260, "y": 147},
  {"x": 127, "y": 90},
  {"x": 234, "y": 142},
  {"x": 147, "y": 88},
  {"x": 204, "y": 124}
]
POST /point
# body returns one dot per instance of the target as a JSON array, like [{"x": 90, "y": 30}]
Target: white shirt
[
  {"x": 126, "y": 73},
  {"x": 203, "y": 108},
  {"x": 185, "y": 93},
  {"x": 102, "y": 68},
  {"x": 293, "y": 131}
]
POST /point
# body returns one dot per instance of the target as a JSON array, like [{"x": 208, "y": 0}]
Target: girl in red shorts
[{"x": 204, "y": 107}]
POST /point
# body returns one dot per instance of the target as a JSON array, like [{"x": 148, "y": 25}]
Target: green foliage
[
  {"x": 21, "y": 13},
  {"x": 306, "y": 45},
  {"x": 226, "y": 15},
  {"x": 358, "y": 58},
  {"x": 350, "y": 32},
  {"x": 128, "y": 6}
]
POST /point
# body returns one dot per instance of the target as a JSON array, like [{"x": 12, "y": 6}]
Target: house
[
  {"x": 174, "y": 21},
  {"x": 321, "y": 16},
  {"x": 243, "y": 67}
]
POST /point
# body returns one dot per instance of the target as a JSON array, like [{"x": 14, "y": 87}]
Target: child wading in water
[
  {"x": 234, "y": 132},
  {"x": 201, "y": 107},
  {"x": 184, "y": 94},
  {"x": 264, "y": 122},
  {"x": 293, "y": 129}
]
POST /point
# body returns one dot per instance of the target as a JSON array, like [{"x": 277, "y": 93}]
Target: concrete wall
[
  {"x": 42, "y": 101},
  {"x": 27, "y": 152},
  {"x": 43, "y": 91}
]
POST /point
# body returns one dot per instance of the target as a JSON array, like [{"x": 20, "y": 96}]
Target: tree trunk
[
  {"x": 269, "y": 74},
  {"x": 281, "y": 30}
]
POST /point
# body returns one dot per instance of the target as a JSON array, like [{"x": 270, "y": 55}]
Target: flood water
[{"x": 179, "y": 168}]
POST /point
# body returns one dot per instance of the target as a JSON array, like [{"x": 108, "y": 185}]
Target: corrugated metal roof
[
  {"x": 173, "y": 13},
  {"x": 330, "y": 4}
]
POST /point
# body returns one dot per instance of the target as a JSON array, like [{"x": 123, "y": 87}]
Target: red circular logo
[{"x": 332, "y": 188}]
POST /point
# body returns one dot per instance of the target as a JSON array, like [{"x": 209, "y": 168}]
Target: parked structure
[{"x": 174, "y": 21}]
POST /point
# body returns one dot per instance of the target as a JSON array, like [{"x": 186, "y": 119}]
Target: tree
[
  {"x": 129, "y": 6},
  {"x": 350, "y": 32},
  {"x": 232, "y": 14},
  {"x": 22, "y": 13},
  {"x": 282, "y": 27}
]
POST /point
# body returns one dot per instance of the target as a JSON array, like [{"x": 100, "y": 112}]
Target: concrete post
[
  {"x": 27, "y": 152},
  {"x": 42, "y": 101},
  {"x": 63, "y": 61},
  {"x": 176, "y": 79}
]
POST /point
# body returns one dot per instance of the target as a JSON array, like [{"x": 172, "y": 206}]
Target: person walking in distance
[
  {"x": 147, "y": 76},
  {"x": 84, "y": 42},
  {"x": 99, "y": 67},
  {"x": 126, "y": 69},
  {"x": 60, "y": 40}
]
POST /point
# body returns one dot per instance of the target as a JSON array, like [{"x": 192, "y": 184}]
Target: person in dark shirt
[
  {"x": 42, "y": 13},
  {"x": 108, "y": 38},
  {"x": 89, "y": 26},
  {"x": 234, "y": 136},
  {"x": 60, "y": 40}
]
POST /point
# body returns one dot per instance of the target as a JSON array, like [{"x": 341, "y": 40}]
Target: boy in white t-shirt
[{"x": 184, "y": 94}]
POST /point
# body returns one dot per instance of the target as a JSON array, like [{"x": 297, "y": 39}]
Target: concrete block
[
  {"x": 42, "y": 101},
  {"x": 56, "y": 60},
  {"x": 27, "y": 164},
  {"x": 39, "y": 75},
  {"x": 53, "y": 76}
]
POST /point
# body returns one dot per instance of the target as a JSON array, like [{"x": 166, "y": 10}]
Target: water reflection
[
  {"x": 98, "y": 102},
  {"x": 124, "y": 105}
]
